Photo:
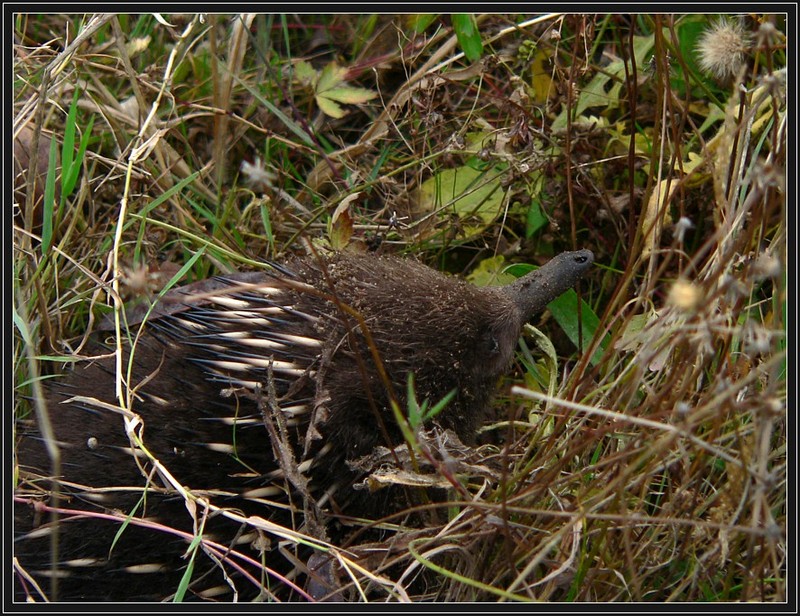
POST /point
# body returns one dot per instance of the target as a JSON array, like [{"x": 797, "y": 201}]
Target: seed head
[
  {"x": 722, "y": 49},
  {"x": 685, "y": 295}
]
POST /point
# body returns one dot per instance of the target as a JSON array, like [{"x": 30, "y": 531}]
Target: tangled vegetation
[{"x": 641, "y": 440}]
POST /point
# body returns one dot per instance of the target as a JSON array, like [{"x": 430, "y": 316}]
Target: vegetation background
[{"x": 645, "y": 439}]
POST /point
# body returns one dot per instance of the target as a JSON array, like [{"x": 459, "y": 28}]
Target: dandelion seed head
[{"x": 722, "y": 49}]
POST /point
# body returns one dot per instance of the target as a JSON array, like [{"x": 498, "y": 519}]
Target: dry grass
[{"x": 655, "y": 468}]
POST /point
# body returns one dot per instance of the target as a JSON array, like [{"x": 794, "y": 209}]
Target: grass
[{"x": 647, "y": 465}]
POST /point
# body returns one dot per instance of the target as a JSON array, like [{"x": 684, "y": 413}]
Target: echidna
[{"x": 259, "y": 390}]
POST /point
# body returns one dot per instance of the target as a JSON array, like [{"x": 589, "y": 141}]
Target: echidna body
[{"x": 240, "y": 376}]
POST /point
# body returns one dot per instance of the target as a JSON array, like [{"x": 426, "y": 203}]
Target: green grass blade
[
  {"x": 69, "y": 175},
  {"x": 180, "y": 593},
  {"x": 68, "y": 146}
]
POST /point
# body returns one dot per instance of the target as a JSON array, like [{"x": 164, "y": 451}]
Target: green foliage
[
  {"x": 183, "y": 586},
  {"x": 469, "y": 37},
  {"x": 605, "y": 89},
  {"x": 330, "y": 88},
  {"x": 72, "y": 161},
  {"x": 419, "y": 414},
  {"x": 419, "y": 23},
  {"x": 581, "y": 326},
  {"x": 536, "y": 219},
  {"x": 473, "y": 196}
]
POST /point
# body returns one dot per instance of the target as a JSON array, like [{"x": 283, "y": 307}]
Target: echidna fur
[{"x": 249, "y": 386}]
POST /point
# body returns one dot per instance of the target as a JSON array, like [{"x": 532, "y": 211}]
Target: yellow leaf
[
  {"x": 330, "y": 77},
  {"x": 330, "y": 108},
  {"x": 654, "y": 217},
  {"x": 348, "y": 95},
  {"x": 541, "y": 81},
  {"x": 304, "y": 72},
  {"x": 332, "y": 89},
  {"x": 341, "y": 224}
]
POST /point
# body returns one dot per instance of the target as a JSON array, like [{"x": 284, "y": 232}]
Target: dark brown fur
[{"x": 449, "y": 334}]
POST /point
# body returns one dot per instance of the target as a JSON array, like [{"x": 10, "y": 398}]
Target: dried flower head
[
  {"x": 722, "y": 49},
  {"x": 685, "y": 295},
  {"x": 257, "y": 175}
]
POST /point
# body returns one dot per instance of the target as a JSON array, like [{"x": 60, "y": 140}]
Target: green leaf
[
  {"x": 491, "y": 272},
  {"x": 71, "y": 162},
  {"x": 475, "y": 196},
  {"x": 565, "y": 311},
  {"x": 469, "y": 38},
  {"x": 535, "y": 220},
  {"x": 125, "y": 524},
  {"x": 420, "y": 23},
  {"x": 176, "y": 277},
  {"x": 22, "y": 327},
  {"x": 168, "y": 194}
]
